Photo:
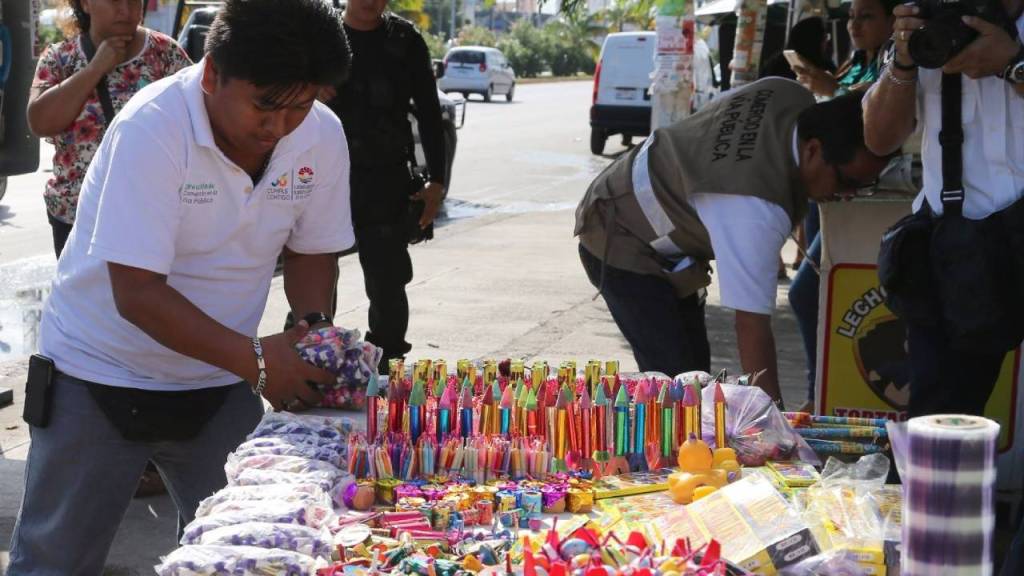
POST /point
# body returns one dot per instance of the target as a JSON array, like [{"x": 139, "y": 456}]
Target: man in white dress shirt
[{"x": 944, "y": 380}]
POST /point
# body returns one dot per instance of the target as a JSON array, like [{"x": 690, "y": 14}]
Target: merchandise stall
[{"x": 500, "y": 467}]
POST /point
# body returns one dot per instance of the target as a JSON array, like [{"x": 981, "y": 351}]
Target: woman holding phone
[{"x": 870, "y": 26}]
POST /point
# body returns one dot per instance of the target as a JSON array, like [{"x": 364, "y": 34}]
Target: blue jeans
[
  {"x": 803, "y": 297},
  {"x": 666, "y": 332}
]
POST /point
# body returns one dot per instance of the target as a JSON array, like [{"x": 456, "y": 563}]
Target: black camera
[{"x": 944, "y": 34}]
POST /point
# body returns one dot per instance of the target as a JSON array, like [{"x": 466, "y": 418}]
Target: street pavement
[{"x": 501, "y": 279}]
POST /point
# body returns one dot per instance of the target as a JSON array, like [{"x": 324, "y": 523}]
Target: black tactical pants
[
  {"x": 380, "y": 201},
  {"x": 387, "y": 268}
]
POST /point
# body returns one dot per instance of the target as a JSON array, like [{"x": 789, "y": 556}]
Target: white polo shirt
[
  {"x": 159, "y": 195},
  {"x": 993, "y": 149}
]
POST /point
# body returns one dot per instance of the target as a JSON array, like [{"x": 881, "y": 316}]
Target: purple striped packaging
[{"x": 948, "y": 467}]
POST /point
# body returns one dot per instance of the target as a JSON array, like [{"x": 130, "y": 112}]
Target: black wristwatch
[
  {"x": 1014, "y": 71},
  {"x": 314, "y": 318}
]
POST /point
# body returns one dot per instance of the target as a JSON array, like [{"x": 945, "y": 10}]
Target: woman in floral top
[{"x": 64, "y": 106}]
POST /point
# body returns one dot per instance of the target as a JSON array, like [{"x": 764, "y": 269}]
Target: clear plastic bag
[
  {"x": 303, "y": 513},
  {"x": 286, "y": 446},
  {"x": 305, "y": 493},
  {"x": 314, "y": 542},
  {"x": 333, "y": 483},
  {"x": 754, "y": 427},
  {"x": 288, "y": 424},
  {"x": 237, "y": 561},
  {"x": 853, "y": 512},
  {"x": 340, "y": 352},
  {"x": 234, "y": 513},
  {"x": 867, "y": 472},
  {"x": 290, "y": 464},
  {"x": 831, "y": 563}
]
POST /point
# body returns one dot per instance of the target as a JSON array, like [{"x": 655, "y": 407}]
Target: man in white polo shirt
[{"x": 200, "y": 182}]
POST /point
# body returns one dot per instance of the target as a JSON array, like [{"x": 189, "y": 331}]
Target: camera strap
[{"x": 951, "y": 138}]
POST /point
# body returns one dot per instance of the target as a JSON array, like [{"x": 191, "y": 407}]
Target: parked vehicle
[
  {"x": 453, "y": 108},
  {"x": 478, "y": 70},
  {"x": 622, "y": 99}
]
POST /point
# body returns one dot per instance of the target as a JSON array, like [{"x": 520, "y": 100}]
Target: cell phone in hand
[{"x": 795, "y": 59}]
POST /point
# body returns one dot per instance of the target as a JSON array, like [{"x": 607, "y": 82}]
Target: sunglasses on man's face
[{"x": 852, "y": 187}]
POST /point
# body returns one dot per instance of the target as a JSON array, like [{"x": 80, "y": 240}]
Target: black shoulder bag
[
  {"x": 101, "y": 87},
  {"x": 952, "y": 271}
]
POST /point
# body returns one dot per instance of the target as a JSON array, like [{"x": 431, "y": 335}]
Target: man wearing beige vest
[{"x": 725, "y": 184}]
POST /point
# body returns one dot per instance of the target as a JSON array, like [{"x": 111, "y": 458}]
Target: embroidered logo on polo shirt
[
  {"x": 304, "y": 182},
  {"x": 279, "y": 189},
  {"x": 195, "y": 194}
]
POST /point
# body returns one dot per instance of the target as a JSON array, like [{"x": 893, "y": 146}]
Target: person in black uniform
[{"x": 390, "y": 66}]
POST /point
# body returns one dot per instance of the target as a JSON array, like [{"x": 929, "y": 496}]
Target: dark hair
[
  {"x": 282, "y": 44},
  {"x": 77, "y": 22},
  {"x": 859, "y": 57},
  {"x": 806, "y": 38},
  {"x": 838, "y": 124}
]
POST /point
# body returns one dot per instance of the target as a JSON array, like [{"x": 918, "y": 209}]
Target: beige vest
[{"x": 740, "y": 143}]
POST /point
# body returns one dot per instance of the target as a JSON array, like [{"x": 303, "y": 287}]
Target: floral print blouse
[{"x": 74, "y": 147}]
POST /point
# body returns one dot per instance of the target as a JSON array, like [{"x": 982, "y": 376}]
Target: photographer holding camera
[
  {"x": 982, "y": 57},
  {"x": 954, "y": 270}
]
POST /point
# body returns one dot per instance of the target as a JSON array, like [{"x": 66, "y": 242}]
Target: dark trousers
[
  {"x": 1013, "y": 565},
  {"x": 947, "y": 381},
  {"x": 380, "y": 203},
  {"x": 666, "y": 332},
  {"x": 387, "y": 268},
  {"x": 61, "y": 231}
]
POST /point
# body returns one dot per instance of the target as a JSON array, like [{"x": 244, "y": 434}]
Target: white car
[
  {"x": 621, "y": 101},
  {"x": 478, "y": 70}
]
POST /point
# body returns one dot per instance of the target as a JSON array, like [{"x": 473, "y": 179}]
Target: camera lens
[
  {"x": 930, "y": 48},
  {"x": 943, "y": 37}
]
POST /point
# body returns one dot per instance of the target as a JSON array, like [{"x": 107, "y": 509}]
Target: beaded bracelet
[
  {"x": 900, "y": 81},
  {"x": 261, "y": 365}
]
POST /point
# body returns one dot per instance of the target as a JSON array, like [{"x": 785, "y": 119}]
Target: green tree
[
  {"x": 639, "y": 13},
  {"x": 477, "y": 36},
  {"x": 413, "y": 11},
  {"x": 440, "y": 12},
  {"x": 526, "y": 48},
  {"x": 435, "y": 43},
  {"x": 571, "y": 48}
]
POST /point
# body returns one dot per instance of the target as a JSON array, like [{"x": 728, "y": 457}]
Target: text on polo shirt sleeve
[
  {"x": 138, "y": 213},
  {"x": 325, "y": 225}
]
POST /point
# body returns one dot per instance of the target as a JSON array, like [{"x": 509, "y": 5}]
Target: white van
[
  {"x": 478, "y": 70},
  {"x": 622, "y": 81}
]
